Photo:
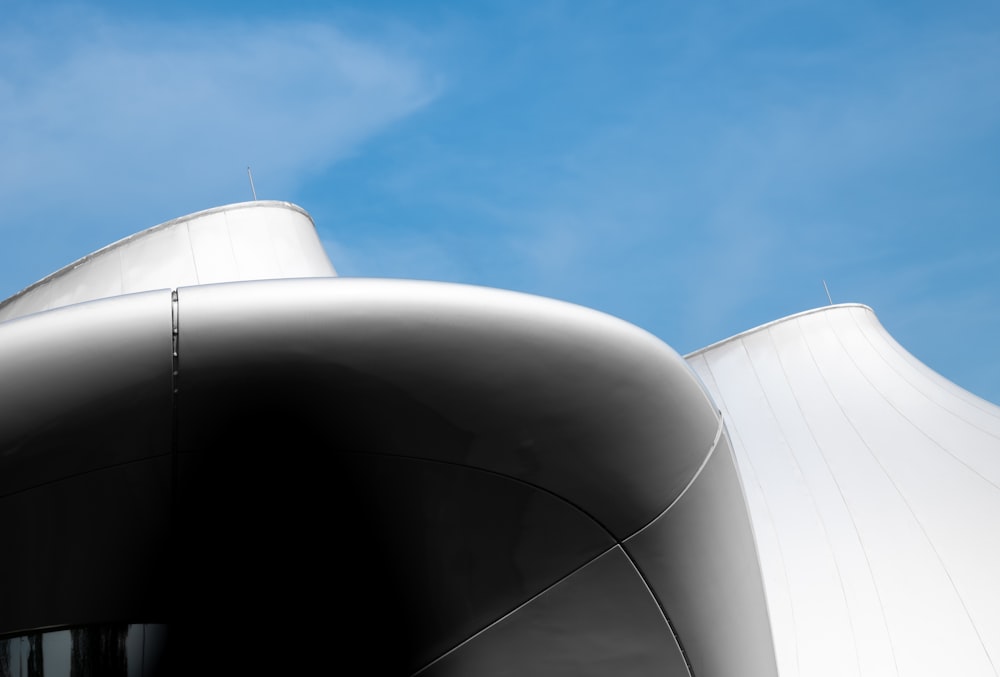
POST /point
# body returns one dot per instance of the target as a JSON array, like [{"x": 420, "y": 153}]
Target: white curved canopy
[
  {"x": 260, "y": 240},
  {"x": 874, "y": 492}
]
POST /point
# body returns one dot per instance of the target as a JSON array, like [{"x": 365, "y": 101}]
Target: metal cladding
[
  {"x": 245, "y": 241},
  {"x": 874, "y": 489},
  {"x": 290, "y": 467},
  {"x": 459, "y": 480}
]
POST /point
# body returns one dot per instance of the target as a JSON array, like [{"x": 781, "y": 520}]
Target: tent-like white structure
[{"x": 874, "y": 491}]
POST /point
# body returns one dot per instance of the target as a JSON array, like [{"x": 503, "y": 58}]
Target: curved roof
[
  {"x": 243, "y": 241},
  {"x": 874, "y": 490}
]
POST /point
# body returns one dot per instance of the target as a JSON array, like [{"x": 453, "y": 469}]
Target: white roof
[
  {"x": 874, "y": 491},
  {"x": 244, "y": 241}
]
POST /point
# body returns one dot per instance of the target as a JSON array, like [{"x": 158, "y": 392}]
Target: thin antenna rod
[
  {"x": 254, "y": 190},
  {"x": 827, "y": 292}
]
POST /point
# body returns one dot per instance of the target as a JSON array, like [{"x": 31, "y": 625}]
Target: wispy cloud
[
  {"x": 838, "y": 171},
  {"x": 727, "y": 176},
  {"x": 97, "y": 111}
]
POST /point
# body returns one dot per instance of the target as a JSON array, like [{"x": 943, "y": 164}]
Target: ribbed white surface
[
  {"x": 245, "y": 241},
  {"x": 874, "y": 491}
]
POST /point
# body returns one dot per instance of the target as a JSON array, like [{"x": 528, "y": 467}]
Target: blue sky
[{"x": 694, "y": 168}]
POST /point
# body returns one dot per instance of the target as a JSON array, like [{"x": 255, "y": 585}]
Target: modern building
[
  {"x": 874, "y": 491},
  {"x": 216, "y": 455}
]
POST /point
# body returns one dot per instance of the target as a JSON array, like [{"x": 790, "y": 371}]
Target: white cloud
[{"x": 95, "y": 111}]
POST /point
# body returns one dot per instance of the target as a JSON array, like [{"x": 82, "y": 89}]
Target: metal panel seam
[
  {"x": 194, "y": 257},
  {"x": 505, "y": 476},
  {"x": 174, "y": 390},
  {"x": 965, "y": 396},
  {"x": 767, "y": 505},
  {"x": 909, "y": 509},
  {"x": 768, "y": 325},
  {"x": 840, "y": 493},
  {"x": 812, "y": 497},
  {"x": 921, "y": 391},
  {"x": 75, "y": 475},
  {"x": 515, "y": 610},
  {"x": 663, "y": 610},
  {"x": 697, "y": 473}
]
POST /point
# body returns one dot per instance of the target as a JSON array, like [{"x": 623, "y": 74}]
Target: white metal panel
[
  {"x": 245, "y": 241},
  {"x": 95, "y": 278},
  {"x": 871, "y": 488},
  {"x": 214, "y": 259},
  {"x": 253, "y": 247},
  {"x": 946, "y": 497},
  {"x": 834, "y": 547},
  {"x": 824, "y": 644},
  {"x": 899, "y": 560},
  {"x": 160, "y": 260},
  {"x": 961, "y": 413},
  {"x": 297, "y": 246},
  {"x": 275, "y": 243}
]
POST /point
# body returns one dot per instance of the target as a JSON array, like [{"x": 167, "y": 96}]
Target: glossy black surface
[
  {"x": 599, "y": 621},
  {"x": 381, "y": 469},
  {"x": 84, "y": 387},
  {"x": 402, "y": 557},
  {"x": 701, "y": 562},
  {"x": 85, "y": 470},
  {"x": 88, "y": 547},
  {"x": 580, "y": 403}
]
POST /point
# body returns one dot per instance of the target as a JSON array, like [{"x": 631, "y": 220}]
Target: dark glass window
[{"x": 108, "y": 650}]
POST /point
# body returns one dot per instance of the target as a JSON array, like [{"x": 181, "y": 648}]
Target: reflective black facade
[{"x": 435, "y": 479}]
